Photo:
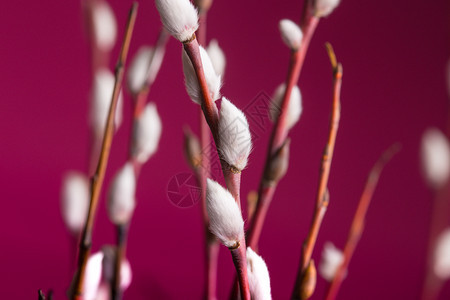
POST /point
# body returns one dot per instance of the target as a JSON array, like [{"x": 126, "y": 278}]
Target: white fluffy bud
[
  {"x": 332, "y": 258},
  {"x": 226, "y": 221},
  {"x": 258, "y": 276},
  {"x": 139, "y": 72},
  {"x": 93, "y": 276},
  {"x": 75, "y": 201},
  {"x": 323, "y": 8},
  {"x": 442, "y": 255},
  {"x": 105, "y": 26},
  {"x": 435, "y": 157},
  {"x": 217, "y": 57},
  {"x": 213, "y": 80},
  {"x": 147, "y": 133},
  {"x": 121, "y": 200},
  {"x": 179, "y": 17},
  {"x": 294, "y": 108},
  {"x": 234, "y": 135},
  {"x": 291, "y": 34},
  {"x": 101, "y": 101}
]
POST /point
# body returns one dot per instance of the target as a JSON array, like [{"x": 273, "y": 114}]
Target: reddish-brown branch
[
  {"x": 240, "y": 262},
  {"x": 357, "y": 226},
  {"x": 279, "y": 134},
  {"x": 122, "y": 233},
  {"x": 322, "y": 198},
  {"x": 98, "y": 177},
  {"x": 208, "y": 106}
]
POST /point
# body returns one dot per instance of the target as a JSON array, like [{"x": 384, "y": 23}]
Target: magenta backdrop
[{"x": 394, "y": 55}]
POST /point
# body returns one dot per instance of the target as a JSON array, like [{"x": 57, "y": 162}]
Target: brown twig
[
  {"x": 279, "y": 132},
  {"x": 322, "y": 191},
  {"x": 122, "y": 233},
  {"x": 98, "y": 177},
  {"x": 240, "y": 262},
  {"x": 357, "y": 226}
]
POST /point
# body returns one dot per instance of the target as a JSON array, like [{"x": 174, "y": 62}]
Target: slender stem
[
  {"x": 322, "y": 198},
  {"x": 279, "y": 134},
  {"x": 98, "y": 177},
  {"x": 357, "y": 226},
  {"x": 122, "y": 233},
  {"x": 240, "y": 262},
  {"x": 208, "y": 106}
]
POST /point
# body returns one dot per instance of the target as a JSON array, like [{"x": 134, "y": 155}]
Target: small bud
[
  {"x": 441, "y": 265},
  {"x": 75, "y": 201},
  {"x": 435, "y": 157},
  {"x": 252, "y": 200},
  {"x": 192, "y": 149},
  {"x": 291, "y": 34},
  {"x": 226, "y": 221},
  {"x": 93, "y": 276},
  {"x": 179, "y": 17},
  {"x": 332, "y": 258},
  {"x": 278, "y": 164},
  {"x": 309, "y": 281},
  {"x": 234, "y": 135},
  {"x": 147, "y": 133},
  {"x": 213, "y": 80},
  {"x": 104, "y": 24},
  {"x": 140, "y": 73},
  {"x": 323, "y": 8},
  {"x": 203, "y": 5},
  {"x": 258, "y": 276},
  {"x": 294, "y": 106},
  {"x": 121, "y": 201},
  {"x": 101, "y": 101},
  {"x": 217, "y": 57}
]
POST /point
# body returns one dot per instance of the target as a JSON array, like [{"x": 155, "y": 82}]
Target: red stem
[
  {"x": 357, "y": 226},
  {"x": 240, "y": 262},
  {"x": 98, "y": 177},
  {"x": 279, "y": 134}
]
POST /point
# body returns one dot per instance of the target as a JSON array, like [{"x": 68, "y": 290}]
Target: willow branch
[
  {"x": 322, "y": 191},
  {"x": 98, "y": 177},
  {"x": 357, "y": 226},
  {"x": 267, "y": 189}
]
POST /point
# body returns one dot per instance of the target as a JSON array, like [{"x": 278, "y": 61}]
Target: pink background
[{"x": 394, "y": 55}]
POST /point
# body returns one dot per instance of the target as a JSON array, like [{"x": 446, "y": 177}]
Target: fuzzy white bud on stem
[
  {"x": 332, "y": 258},
  {"x": 213, "y": 80},
  {"x": 75, "y": 201},
  {"x": 323, "y": 8},
  {"x": 93, "y": 276},
  {"x": 258, "y": 276},
  {"x": 435, "y": 157},
  {"x": 226, "y": 221},
  {"x": 217, "y": 57},
  {"x": 147, "y": 133},
  {"x": 291, "y": 34},
  {"x": 179, "y": 17},
  {"x": 234, "y": 134},
  {"x": 294, "y": 109},
  {"x": 105, "y": 25},
  {"x": 140, "y": 73},
  {"x": 101, "y": 101},
  {"x": 441, "y": 265},
  {"x": 121, "y": 201}
]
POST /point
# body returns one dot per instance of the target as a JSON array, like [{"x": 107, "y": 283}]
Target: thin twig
[
  {"x": 279, "y": 134},
  {"x": 98, "y": 177},
  {"x": 122, "y": 233},
  {"x": 357, "y": 226},
  {"x": 322, "y": 198}
]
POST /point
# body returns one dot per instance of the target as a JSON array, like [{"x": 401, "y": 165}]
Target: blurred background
[{"x": 394, "y": 55}]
